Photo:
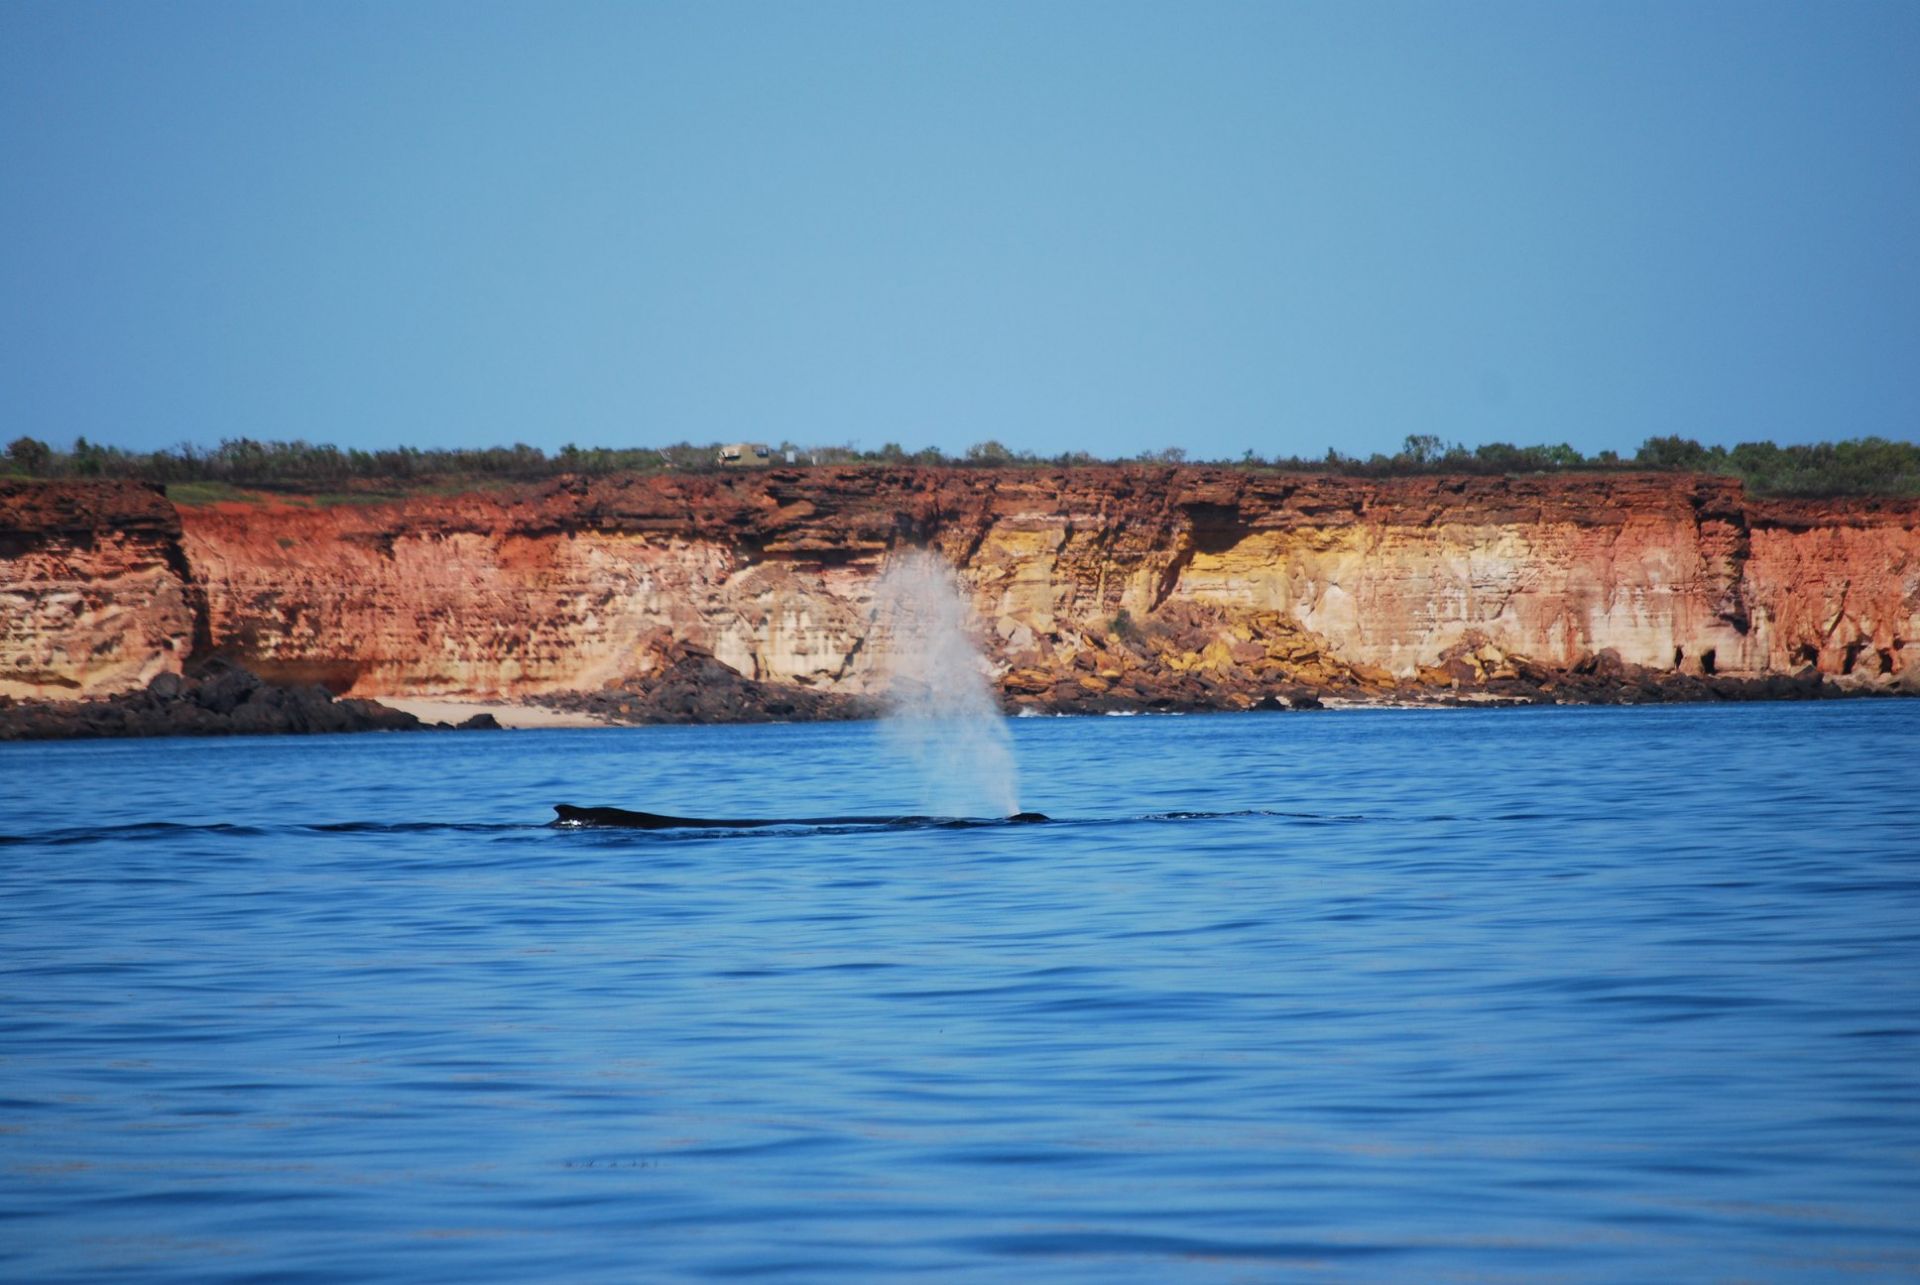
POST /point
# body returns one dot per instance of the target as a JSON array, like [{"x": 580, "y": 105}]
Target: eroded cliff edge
[
  {"x": 95, "y": 593},
  {"x": 1098, "y": 587}
]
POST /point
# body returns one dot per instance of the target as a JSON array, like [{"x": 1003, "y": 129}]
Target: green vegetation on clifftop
[{"x": 1868, "y": 465}]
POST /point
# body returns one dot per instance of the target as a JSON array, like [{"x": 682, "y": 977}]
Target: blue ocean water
[{"x": 1588, "y": 994}]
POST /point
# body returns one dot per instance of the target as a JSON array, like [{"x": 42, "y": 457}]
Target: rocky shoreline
[
  {"x": 697, "y": 689},
  {"x": 1189, "y": 660},
  {"x": 688, "y": 685},
  {"x": 212, "y": 699},
  {"x": 692, "y": 687}
]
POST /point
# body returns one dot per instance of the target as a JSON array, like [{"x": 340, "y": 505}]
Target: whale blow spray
[{"x": 942, "y": 716}]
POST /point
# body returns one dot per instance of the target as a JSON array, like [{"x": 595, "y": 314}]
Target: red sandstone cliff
[
  {"x": 1088, "y": 581},
  {"x": 94, "y": 592}
]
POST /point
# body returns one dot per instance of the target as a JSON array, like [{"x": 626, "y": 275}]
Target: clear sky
[{"x": 1090, "y": 225}]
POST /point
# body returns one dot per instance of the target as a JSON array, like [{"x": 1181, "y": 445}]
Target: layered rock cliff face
[
  {"x": 1101, "y": 583},
  {"x": 95, "y": 594}
]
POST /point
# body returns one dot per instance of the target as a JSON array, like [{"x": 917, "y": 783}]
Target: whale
[{"x": 567, "y": 816}]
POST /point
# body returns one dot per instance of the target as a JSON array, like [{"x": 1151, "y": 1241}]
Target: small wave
[
  {"x": 137, "y": 830},
  {"x": 142, "y": 830},
  {"x": 420, "y": 827},
  {"x": 1137, "y": 1245},
  {"x": 1187, "y": 815}
]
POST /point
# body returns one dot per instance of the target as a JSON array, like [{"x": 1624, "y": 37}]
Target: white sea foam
[{"x": 942, "y": 719}]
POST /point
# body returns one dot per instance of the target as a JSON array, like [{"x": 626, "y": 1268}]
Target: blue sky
[{"x": 1089, "y": 226}]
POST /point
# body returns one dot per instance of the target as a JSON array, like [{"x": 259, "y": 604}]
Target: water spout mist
[{"x": 942, "y": 715}]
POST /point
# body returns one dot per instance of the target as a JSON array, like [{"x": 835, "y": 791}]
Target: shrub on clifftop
[{"x": 1868, "y": 465}]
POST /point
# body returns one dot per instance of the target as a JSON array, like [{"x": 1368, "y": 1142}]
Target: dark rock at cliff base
[
  {"x": 691, "y": 686},
  {"x": 479, "y": 723},
  {"x": 226, "y": 690},
  {"x": 216, "y": 699},
  {"x": 1604, "y": 681}
]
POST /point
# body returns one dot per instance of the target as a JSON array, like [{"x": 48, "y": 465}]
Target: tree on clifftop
[
  {"x": 989, "y": 452},
  {"x": 1678, "y": 455},
  {"x": 29, "y": 455}
]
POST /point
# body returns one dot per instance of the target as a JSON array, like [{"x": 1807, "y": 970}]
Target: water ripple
[{"x": 1531, "y": 994}]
